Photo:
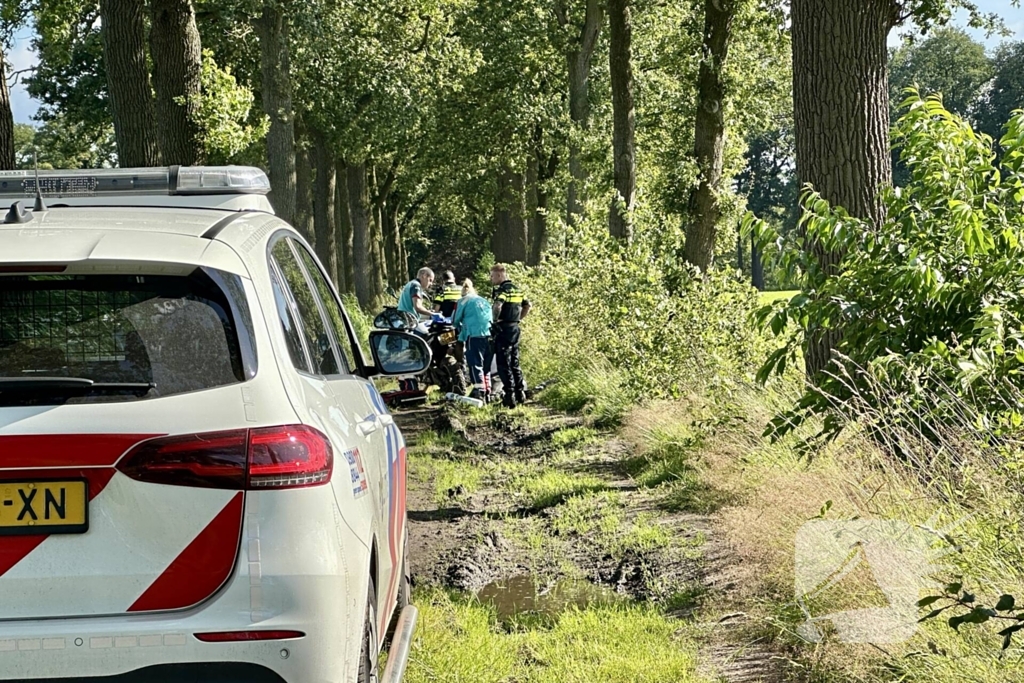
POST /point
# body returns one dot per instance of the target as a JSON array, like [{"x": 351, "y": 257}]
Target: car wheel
[{"x": 370, "y": 655}]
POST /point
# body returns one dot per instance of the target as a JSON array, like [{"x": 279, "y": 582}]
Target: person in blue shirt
[
  {"x": 473, "y": 322},
  {"x": 414, "y": 298}
]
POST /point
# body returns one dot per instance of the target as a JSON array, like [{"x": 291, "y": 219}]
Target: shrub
[
  {"x": 620, "y": 323},
  {"x": 931, "y": 300}
]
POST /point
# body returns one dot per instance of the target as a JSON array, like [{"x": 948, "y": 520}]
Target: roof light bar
[{"x": 113, "y": 182}]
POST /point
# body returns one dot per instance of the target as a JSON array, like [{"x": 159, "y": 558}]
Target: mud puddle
[{"x": 531, "y": 595}]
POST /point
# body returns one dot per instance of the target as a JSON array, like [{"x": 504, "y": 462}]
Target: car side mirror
[{"x": 396, "y": 352}]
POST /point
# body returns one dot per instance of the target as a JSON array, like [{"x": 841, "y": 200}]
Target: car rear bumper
[
  {"x": 181, "y": 673},
  {"x": 163, "y": 648}
]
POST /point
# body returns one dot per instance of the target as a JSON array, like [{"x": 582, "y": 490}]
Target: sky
[{"x": 22, "y": 57}]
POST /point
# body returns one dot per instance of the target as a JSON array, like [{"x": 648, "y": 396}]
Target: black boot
[{"x": 520, "y": 397}]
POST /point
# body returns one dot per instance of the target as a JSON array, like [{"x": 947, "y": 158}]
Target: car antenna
[{"x": 40, "y": 204}]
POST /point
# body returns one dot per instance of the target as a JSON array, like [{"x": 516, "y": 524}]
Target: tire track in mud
[{"x": 471, "y": 541}]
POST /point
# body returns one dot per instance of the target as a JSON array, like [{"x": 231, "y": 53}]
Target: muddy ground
[{"x": 490, "y": 540}]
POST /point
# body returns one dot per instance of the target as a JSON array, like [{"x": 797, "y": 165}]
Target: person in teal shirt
[
  {"x": 414, "y": 298},
  {"x": 473, "y": 321}
]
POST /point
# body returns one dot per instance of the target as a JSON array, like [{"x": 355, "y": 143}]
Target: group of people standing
[{"x": 487, "y": 329}]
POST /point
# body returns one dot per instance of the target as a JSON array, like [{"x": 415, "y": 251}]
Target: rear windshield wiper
[{"x": 68, "y": 385}]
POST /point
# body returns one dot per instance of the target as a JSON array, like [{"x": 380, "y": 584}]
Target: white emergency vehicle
[{"x": 198, "y": 479}]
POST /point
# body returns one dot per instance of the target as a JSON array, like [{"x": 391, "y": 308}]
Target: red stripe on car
[
  {"x": 201, "y": 568},
  {"x": 14, "y": 549},
  {"x": 66, "y": 450}
]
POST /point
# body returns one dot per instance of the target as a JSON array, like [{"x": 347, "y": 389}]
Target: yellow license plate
[
  {"x": 43, "y": 507},
  {"x": 448, "y": 337}
]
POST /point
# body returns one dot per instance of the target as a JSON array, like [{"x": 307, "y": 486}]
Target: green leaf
[{"x": 924, "y": 602}]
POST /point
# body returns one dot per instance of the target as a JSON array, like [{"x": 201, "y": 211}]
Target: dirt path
[{"x": 514, "y": 507}]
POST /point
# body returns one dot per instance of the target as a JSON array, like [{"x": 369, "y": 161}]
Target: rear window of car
[{"x": 103, "y": 338}]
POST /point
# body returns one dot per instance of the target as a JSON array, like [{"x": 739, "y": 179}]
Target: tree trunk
[
  {"x": 756, "y": 267},
  {"x": 620, "y": 217},
  {"x": 397, "y": 269},
  {"x": 709, "y": 137},
  {"x": 324, "y": 223},
  {"x": 379, "y": 276},
  {"x": 578, "y": 60},
  {"x": 841, "y": 113},
  {"x": 509, "y": 241},
  {"x": 177, "y": 76},
  {"x": 369, "y": 284},
  {"x": 359, "y": 209},
  {"x": 547, "y": 166},
  {"x": 131, "y": 100},
  {"x": 343, "y": 221},
  {"x": 303, "y": 183},
  {"x": 275, "y": 66},
  {"x": 532, "y": 203},
  {"x": 7, "y": 160}
]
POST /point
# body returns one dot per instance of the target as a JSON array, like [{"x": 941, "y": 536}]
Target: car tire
[{"x": 369, "y": 657}]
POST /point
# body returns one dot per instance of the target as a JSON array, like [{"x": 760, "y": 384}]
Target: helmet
[{"x": 393, "y": 319}]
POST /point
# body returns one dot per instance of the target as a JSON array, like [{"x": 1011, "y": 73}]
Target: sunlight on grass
[
  {"x": 606, "y": 644},
  {"x": 772, "y": 297},
  {"x": 574, "y": 436},
  {"x": 455, "y": 479},
  {"x": 552, "y": 487}
]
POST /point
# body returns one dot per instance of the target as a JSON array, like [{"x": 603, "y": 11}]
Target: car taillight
[
  {"x": 288, "y": 457},
  {"x": 270, "y": 458}
]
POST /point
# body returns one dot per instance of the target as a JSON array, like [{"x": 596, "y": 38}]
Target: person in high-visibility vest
[
  {"x": 508, "y": 309},
  {"x": 448, "y": 298}
]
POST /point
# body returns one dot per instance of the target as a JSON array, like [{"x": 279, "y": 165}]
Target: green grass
[
  {"x": 553, "y": 487},
  {"x": 461, "y": 641},
  {"x": 575, "y": 437},
  {"x": 454, "y": 480},
  {"x": 593, "y": 389},
  {"x": 772, "y": 297}
]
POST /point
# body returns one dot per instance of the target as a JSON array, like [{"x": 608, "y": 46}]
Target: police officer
[
  {"x": 509, "y": 307},
  {"x": 448, "y": 298}
]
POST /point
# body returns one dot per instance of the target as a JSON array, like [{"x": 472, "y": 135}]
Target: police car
[{"x": 198, "y": 478}]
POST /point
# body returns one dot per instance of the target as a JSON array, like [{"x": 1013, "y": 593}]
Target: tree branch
[{"x": 591, "y": 28}]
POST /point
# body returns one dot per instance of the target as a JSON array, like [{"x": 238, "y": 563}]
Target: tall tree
[
  {"x": 131, "y": 99},
  {"x": 369, "y": 281},
  {"x": 579, "y": 56},
  {"x": 303, "y": 182},
  {"x": 7, "y": 146},
  {"x": 343, "y": 220},
  {"x": 324, "y": 222},
  {"x": 620, "y": 217},
  {"x": 841, "y": 112},
  {"x": 509, "y": 241},
  {"x": 177, "y": 53},
  {"x": 1006, "y": 91},
  {"x": 275, "y": 66},
  {"x": 709, "y": 137},
  {"x": 948, "y": 61}
]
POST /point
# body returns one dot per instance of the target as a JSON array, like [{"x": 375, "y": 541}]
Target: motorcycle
[{"x": 446, "y": 370}]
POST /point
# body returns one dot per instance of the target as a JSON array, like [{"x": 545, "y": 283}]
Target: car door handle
[
  {"x": 386, "y": 419},
  {"x": 368, "y": 426}
]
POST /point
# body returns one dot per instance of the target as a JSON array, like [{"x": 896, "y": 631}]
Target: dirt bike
[{"x": 446, "y": 370}]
